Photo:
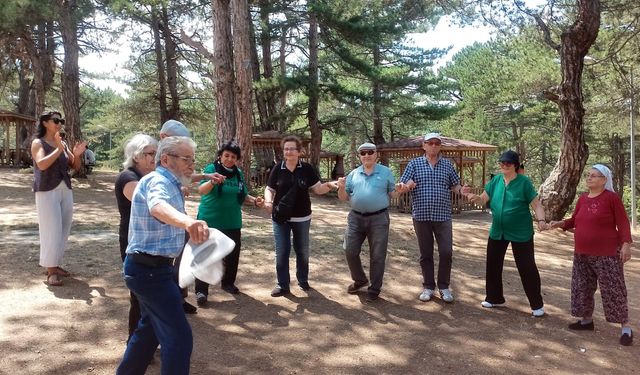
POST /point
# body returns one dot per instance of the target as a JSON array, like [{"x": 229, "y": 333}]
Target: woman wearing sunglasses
[
  {"x": 52, "y": 186},
  {"x": 602, "y": 237},
  {"x": 510, "y": 195}
]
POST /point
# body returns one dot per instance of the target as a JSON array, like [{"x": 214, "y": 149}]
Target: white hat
[
  {"x": 173, "y": 128},
  {"x": 367, "y": 146},
  {"x": 204, "y": 261},
  {"x": 429, "y": 136}
]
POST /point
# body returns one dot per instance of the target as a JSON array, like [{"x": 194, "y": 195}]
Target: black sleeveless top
[{"x": 50, "y": 178}]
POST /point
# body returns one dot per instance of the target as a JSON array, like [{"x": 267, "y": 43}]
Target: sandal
[
  {"x": 53, "y": 280},
  {"x": 62, "y": 272}
]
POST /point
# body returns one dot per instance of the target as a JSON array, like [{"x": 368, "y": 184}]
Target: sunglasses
[
  {"x": 57, "y": 120},
  {"x": 433, "y": 143},
  {"x": 367, "y": 152},
  {"x": 506, "y": 163}
]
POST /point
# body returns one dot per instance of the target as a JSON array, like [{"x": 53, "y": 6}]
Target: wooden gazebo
[
  {"x": 469, "y": 157},
  {"x": 267, "y": 152},
  {"x": 14, "y": 139}
]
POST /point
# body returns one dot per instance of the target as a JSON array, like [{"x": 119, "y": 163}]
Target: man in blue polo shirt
[
  {"x": 368, "y": 189},
  {"x": 431, "y": 179},
  {"x": 156, "y": 237}
]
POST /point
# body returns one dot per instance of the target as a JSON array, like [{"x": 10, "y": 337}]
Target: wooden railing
[{"x": 458, "y": 202}]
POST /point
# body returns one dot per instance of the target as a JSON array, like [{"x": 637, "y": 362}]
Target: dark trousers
[
  {"x": 230, "y": 263},
  {"x": 134, "y": 305},
  {"x": 526, "y": 264},
  {"x": 375, "y": 228},
  {"x": 443, "y": 232}
]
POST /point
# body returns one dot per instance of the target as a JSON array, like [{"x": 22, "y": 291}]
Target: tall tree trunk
[
  {"x": 283, "y": 73},
  {"x": 223, "y": 72},
  {"x": 261, "y": 102},
  {"x": 267, "y": 64},
  {"x": 378, "y": 135},
  {"x": 312, "y": 90},
  {"x": 160, "y": 66},
  {"x": 243, "y": 81},
  {"x": 71, "y": 73},
  {"x": 559, "y": 189},
  {"x": 171, "y": 61}
]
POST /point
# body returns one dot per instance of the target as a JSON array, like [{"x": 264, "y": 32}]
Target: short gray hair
[
  {"x": 170, "y": 145},
  {"x": 135, "y": 147}
]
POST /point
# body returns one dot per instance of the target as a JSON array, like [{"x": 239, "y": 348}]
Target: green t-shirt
[
  {"x": 510, "y": 208},
  {"x": 222, "y": 211}
]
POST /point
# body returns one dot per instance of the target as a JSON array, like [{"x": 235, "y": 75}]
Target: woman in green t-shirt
[
  {"x": 510, "y": 195},
  {"x": 221, "y": 207}
]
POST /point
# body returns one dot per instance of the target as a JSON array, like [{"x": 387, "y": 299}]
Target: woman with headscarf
[
  {"x": 221, "y": 207},
  {"x": 139, "y": 160},
  {"x": 52, "y": 186},
  {"x": 602, "y": 237}
]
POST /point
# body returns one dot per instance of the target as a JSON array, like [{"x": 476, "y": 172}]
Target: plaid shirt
[
  {"x": 431, "y": 198},
  {"x": 146, "y": 233}
]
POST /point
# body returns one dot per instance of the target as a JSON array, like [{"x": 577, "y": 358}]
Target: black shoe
[
  {"x": 357, "y": 285},
  {"x": 626, "y": 339},
  {"x": 189, "y": 308},
  {"x": 201, "y": 299},
  {"x": 372, "y": 296},
  {"x": 304, "y": 286},
  {"x": 231, "y": 289},
  {"x": 279, "y": 291},
  {"x": 578, "y": 326}
]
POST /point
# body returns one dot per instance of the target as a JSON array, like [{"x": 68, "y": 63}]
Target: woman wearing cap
[
  {"x": 510, "y": 195},
  {"x": 602, "y": 245},
  {"x": 221, "y": 208},
  {"x": 52, "y": 186},
  {"x": 139, "y": 160},
  {"x": 292, "y": 179}
]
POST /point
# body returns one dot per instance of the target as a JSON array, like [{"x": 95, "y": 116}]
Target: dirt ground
[{"x": 81, "y": 327}]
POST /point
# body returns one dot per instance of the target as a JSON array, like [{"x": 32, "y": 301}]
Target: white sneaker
[
  {"x": 446, "y": 295},
  {"x": 426, "y": 295},
  {"x": 538, "y": 312},
  {"x": 490, "y": 305}
]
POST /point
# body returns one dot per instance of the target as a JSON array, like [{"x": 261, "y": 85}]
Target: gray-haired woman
[{"x": 139, "y": 154}]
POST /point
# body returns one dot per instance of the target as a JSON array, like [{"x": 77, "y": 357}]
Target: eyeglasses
[
  {"x": 592, "y": 175},
  {"x": 290, "y": 149},
  {"x": 186, "y": 159},
  {"x": 150, "y": 153},
  {"x": 367, "y": 152},
  {"x": 432, "y": 143},
  {"x": 57, "y": 120}
]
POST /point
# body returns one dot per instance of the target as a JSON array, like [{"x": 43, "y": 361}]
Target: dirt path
[{"x": 80, "y": 328}]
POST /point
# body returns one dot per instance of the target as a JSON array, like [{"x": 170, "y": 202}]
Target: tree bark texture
[
  {"x": 312, "y": 92},
  {"x": 378, "y": 135},
  {"x": 171, "y": 61},
  {"x": 559, "y": 189},
  {"x": 243, "y": 81},
  {"x": 162, "y": 76},
  {"x": 261, "y": 103},
  {"x": 223, "y": 72}
]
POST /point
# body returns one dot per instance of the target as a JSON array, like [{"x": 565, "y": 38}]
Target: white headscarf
[{"x": 606, "y": 172}]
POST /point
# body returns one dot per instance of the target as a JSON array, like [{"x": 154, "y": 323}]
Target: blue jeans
[
  {"x": 282, "y": 237},
  {"x": 162, "y": 321}
]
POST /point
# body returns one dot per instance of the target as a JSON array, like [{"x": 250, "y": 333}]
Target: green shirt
[
  {"x": 222, "y": 211},
  {"x": 510, "y": 208}
]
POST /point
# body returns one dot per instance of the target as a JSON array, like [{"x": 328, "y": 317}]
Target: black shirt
[
  {"x": 282, "y": 179},
  {"x": 124, "y": 204}
]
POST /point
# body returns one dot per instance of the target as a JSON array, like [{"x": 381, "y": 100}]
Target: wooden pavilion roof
[
  {"x": 12, "y": 116},
  {"x": 448, "y": 144}
]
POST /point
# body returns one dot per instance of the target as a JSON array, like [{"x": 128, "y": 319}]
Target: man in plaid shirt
[{"x": 431, "y": 178}]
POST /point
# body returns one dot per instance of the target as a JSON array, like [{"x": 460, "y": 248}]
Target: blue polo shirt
[
  {"x": 370, "y": 193},
  {"x": 146, "y": 233},
  {"x": 431, "y": 199}
]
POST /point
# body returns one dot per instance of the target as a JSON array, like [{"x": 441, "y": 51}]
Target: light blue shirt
[
  {"x": 370, "y": 193},
  {"x": 146, "y": 233}
]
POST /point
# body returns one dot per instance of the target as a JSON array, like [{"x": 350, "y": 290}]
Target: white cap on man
[
  {"x": 429, "y": 136},
  {"x": 173, "y": 128},
  {"x": 367, "y": 146}
]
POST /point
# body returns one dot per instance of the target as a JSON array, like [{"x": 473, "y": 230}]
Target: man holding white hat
[
  {"x": 431, "y": 178},
  {"x": 368, "y": 189}
]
